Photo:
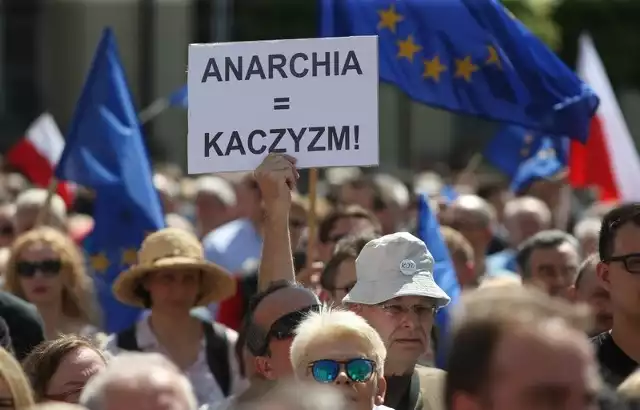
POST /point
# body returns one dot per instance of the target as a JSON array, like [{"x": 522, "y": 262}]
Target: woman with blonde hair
[
  {"x": 15, "y": 392},
  {"x": 47, "y": 269}
]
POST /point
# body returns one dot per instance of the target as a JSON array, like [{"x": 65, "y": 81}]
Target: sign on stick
[{"x": 315, "y": 99}]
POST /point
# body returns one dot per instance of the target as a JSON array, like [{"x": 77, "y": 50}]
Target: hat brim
[
  {"x": 375, "y": 292},
  {"x": 217, "y": 284}
]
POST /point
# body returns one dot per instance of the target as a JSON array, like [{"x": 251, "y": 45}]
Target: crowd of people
[{"x": 239, "y": 312}]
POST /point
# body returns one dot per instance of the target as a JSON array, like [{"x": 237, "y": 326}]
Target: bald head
[
  {"x": 281, "y": 302},
  {"x": 524, "y": 217},
  {"x": 474, "y": 207}
]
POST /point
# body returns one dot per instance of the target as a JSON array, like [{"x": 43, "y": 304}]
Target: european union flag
[
  {"x": 548, "y": 163},
  {"x": 468, "y": 56},
  {"x": 444, "y": 273},
  {"x": 179, "y": 98},
  {"x": 105, "y": 152}
]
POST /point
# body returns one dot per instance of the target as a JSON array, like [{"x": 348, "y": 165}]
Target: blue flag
[
  {"x": 525, "y": 156},
  {"x": 549, "y": 162},
  {"x": 468, "y": 56},
  {"x": 179, "y": 98},
  {"x": 444, "y": 273},
  {"x": 105, "y": 152}
]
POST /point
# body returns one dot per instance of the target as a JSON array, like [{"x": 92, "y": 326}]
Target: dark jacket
[{"x": 24, "y": 322}]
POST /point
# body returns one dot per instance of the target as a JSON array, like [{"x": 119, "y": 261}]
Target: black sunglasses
[
  {"x": 50, "y": 267},
  {"x": 631, "y": 261},
  {"x": 283, "y": 328}
]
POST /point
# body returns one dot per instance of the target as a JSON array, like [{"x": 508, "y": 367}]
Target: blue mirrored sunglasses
[{"x": 357, "y": 370}]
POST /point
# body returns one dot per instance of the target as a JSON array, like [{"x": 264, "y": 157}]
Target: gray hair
[
  {"x": 586, "y": 227},
  {"x": 36, "y": 198},
  {"x": 134, "y": 370},
  {"x": 542, "y": 240},
  {"x": 477, "y": 205},
  {"x": 527, "y": 205},
  {"x": 587, "y": 266},
  {"x": 217, "y": 187}
]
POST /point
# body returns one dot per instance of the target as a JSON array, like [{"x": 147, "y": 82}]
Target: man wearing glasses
[
  {"x": 618, "y": 349},
  {"x": 396, "y": 293}
]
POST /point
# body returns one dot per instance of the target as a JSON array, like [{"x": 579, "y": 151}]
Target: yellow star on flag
[
  {"x": 389, "y": 18},
  {"x": 465, "y": 68},
  {"x": 408, "y": 48},
  {"x": 129, "y": 257},
  {"x": 433, "y": 68},
  {"x": 100, "y": 262},
  {"x": 494, "y": 57}
]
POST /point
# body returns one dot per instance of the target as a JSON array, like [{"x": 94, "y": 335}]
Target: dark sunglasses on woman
[
  {"x": 357, "y": 370},
  {"x": 28, "y": 269}
]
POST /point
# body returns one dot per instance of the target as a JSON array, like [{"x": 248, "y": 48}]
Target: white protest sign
[{"x": 314, "y": 99}]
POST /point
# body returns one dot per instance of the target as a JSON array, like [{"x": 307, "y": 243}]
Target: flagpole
[{"x": 311, "y": 217}]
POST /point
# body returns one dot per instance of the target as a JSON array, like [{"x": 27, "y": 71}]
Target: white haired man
[
  {"x": 141, "y": 381},
  {"x": 396, "y": 293},
  {"x": 28, "y": 206},
  {"x": 340, "y": 348}
]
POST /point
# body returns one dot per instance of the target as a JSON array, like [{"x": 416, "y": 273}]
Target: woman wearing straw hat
[{"x": 170, "y": 279}]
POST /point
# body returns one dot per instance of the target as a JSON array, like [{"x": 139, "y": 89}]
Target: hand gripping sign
[{"x": 315, "y": 99}]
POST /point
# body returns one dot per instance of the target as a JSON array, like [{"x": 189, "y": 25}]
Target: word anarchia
[
  {"x": 283, "y": 140},
  {"x": 279, "y": 66}
]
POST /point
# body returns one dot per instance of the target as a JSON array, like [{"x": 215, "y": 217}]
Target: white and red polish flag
[
  {"x": 37, "y": 152},
  {"x": 609, "y": 160}
]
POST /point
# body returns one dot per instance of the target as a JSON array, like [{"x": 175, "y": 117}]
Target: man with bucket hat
[
  {"x": 171, "y": 278},
  {"x": 395, "y": 291},
  {"x": 397, "y": 294}
]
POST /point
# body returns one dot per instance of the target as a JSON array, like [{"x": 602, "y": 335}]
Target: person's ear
[
  {"x": 263, "y": 367},
  {"x": 381, "y": 392},
  {"x": 602, "y": 271}
]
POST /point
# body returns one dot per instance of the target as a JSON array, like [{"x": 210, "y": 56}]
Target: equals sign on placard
[{"x": 281, "y": 103}]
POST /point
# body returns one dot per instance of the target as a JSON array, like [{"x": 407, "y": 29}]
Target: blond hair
[
  {"x": 11, "y": 373},
  {"x": 78, "y": 297},
  {"x": 331, "y": 324}
]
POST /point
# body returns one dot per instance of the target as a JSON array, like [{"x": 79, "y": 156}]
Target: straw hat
[{"x": 173, "y": 248}]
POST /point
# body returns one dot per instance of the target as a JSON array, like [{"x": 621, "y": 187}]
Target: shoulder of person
[
  {"x": 15, "y": 305},
  {"x": 430, "y": 373},
  {"x": 432, "y": 387},
  {"x": 224, "y": 233}
]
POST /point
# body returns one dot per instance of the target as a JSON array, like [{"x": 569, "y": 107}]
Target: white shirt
[{"x": 205, "y": 386}]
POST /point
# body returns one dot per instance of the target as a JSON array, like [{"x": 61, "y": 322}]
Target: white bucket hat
[{"x": 392, "y": 266}]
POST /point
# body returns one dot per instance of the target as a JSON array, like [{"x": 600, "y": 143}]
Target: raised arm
[{"x": 276, "y": 176}]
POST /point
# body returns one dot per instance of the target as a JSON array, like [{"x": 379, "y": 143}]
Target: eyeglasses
[
  {"x": 631, "y": 261},
  {"x": 283, "y": 328},
  {"x": 399, "y": 310},
  {"x": 357, "y": 370},
  {"x": 51, "y": 267}
]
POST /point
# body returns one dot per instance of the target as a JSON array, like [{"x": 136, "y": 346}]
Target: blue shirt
[{"x": 233, "y": 245}]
